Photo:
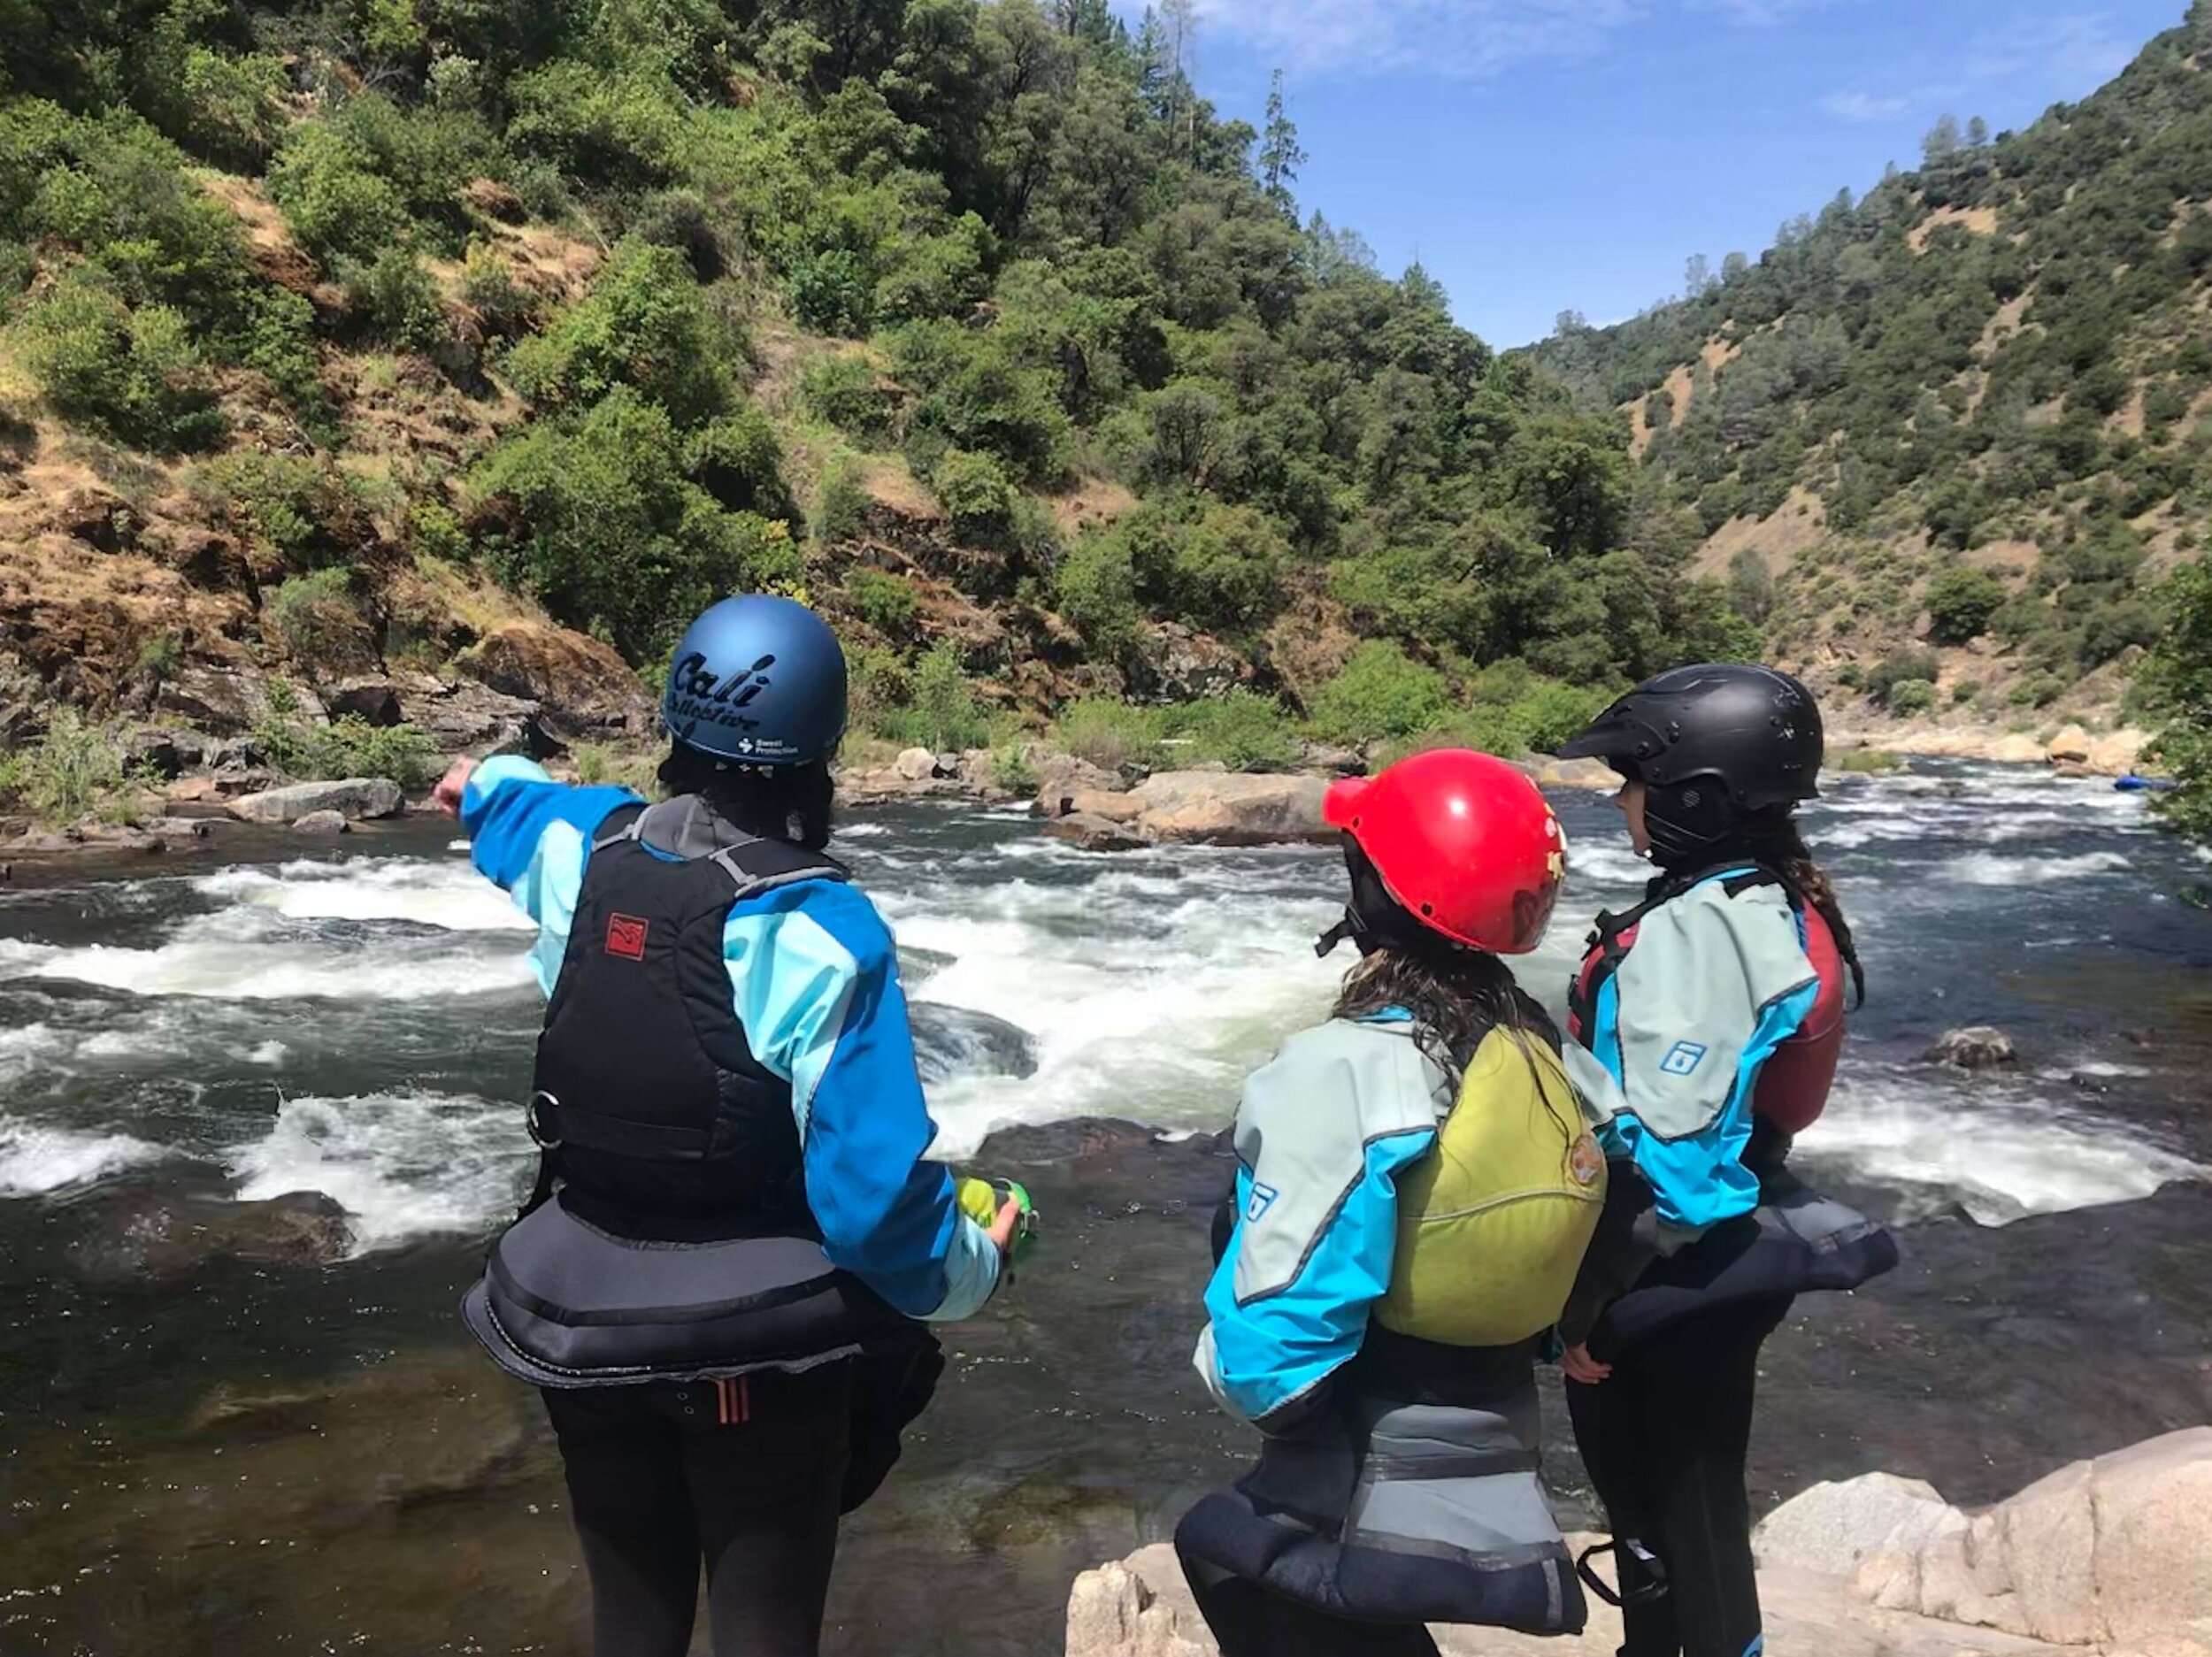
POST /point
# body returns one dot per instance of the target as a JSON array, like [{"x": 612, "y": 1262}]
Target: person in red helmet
[{"x": 1417, "y": 1182}]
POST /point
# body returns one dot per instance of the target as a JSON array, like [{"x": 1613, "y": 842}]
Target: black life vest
[
  {"x": 657, "y": 1116},
  {"x": 680, "y": 1244}
]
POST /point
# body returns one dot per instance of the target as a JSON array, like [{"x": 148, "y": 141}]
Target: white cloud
[
  {"x": 1468, "y": 38},
  {"x": 1862, "y": 106}
]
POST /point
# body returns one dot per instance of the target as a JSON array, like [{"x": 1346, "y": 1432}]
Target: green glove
[{"x": 980, "y": 1200}]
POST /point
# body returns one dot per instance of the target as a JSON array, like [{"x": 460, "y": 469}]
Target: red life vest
[{"x": 1794, "y": 1083}]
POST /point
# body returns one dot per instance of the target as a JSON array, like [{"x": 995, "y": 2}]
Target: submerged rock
[
  {"x": 150, "y": 1237},
  {"x": 1976, "y": 1048},
  {"x": 951, "y": 1042},
  {"x": 1094, "y": 833},
  {"x": 351, "y": 797},
  {"x": 322, "y": 823}
]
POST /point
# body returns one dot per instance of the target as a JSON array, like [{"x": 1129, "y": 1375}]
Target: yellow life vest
[{"x": 1493, "y": 1221}]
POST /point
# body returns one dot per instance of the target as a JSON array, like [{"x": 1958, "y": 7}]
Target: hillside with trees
[
  {"x": 1946, "y": 442},
  {"x": 359, "y": 354}
]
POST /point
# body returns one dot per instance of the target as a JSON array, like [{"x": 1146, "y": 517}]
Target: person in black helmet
[
  {"x": 724, "y": 1279},
  {"x": 1709, "y": 1018}
]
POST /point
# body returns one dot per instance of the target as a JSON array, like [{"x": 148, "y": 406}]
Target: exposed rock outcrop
[{"x": 352, "y": 798}]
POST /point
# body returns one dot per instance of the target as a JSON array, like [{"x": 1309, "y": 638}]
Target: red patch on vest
[{"x": 626, "y": 937}]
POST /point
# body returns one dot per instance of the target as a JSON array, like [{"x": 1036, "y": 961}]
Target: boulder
[
  {"x": 2153, "y": 1510},
  {"x": 1060, "y": 777},
  {"x": 1172, "y": 664},
  {"x": 1976, "y": 1048},
  {"x": 1229, "y": 809},
  {"x": 951, "y": 1042},
  {"x": 322, "y": 823},
  {"x": 2018, "y": 749},
  {"x": 1332, "y": 757},
  {"x": 1140, "y": 1606},
  {"x": 1116, "y": 806},
  {"x": 167, "y": 754},
  {"x": 581, "y": 687},
  {"x": 373, "y": 700},
  {"x": 2071, "y": 745},
  {"x": 1834, "y": 1525},
  {"x": 463, "y": 717},
  {"x": 1093, "y": 834},
  {"x": 1592, "y": 774},
  {"x": 229, "y": 701},
  {"x": 352, "y": 797},
  {"x": 194, "y": 790},
  {"x": 916, "y": 765},
  {"x": 2118, "y": 754},
  {"x": 160, "y": 1235}
]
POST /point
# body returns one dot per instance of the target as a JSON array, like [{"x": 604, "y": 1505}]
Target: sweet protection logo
[
  {"x": 1262, "y": 1200},
  {"x": 1683, "y": 1058}
]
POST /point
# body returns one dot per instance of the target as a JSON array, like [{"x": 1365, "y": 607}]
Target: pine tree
[{"x": 1280, "y": 158}]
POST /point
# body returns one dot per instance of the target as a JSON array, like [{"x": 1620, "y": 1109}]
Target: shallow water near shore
[{"x": 310, "y": 1458}]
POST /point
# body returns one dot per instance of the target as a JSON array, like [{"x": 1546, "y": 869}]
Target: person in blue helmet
[{"x": 724, "y": 1279}]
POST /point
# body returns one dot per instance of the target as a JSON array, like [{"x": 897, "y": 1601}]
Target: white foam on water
[
  {"x": 402, "y": 1165},
  {"x": 1999, "y": 1152},
  {"x": 1985, "y": 868},
  {"x": 36, "y": 1159},
  {"x": 449, "y": 896},
  {"x": 234, "y": 954},
  {"x": 1605, "y": 865},
  {"x": 271, "y": 1053}
]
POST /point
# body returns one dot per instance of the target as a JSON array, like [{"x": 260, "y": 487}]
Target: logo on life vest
[
  {"x": 1683, "y": 1058},
  {"x": 1585, "y": 1161},
  {"x": 626, "y": 937},
  {"x": 1263, "y": 1198}
]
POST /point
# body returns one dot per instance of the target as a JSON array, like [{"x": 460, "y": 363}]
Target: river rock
[
  {"x": 322, "y": 823},
  {"x": 1976, "y": 1048},
  {"x": 461, "y": 716},
  {"x": 2114, "y": 1553},
  {"x": 375, "y": 701},
  {"x": 159, "y": 1236},
  {"x": 1093, "y": 834},
  {"x": 2071, "y": 745},
  {"x": 1172, "y": 664},
  {"x": 1229, "y": 809},
  {"x": 2118, "y": 754},
  {"x": 228, "y": 702},
  {"x": 1141, "y": 1606},
  {"x": 1834, "y": 1525},
  {"x": 916, "y": 765},
  {"x": 167, "y": 754},
  {"x": 1063, "y": 777},
  {"x": 350, "y": 797},
  {"x": 951, "y": 1042},
  {"x": 580, "y": 687},
  {"x": 1592, "y": 774}
]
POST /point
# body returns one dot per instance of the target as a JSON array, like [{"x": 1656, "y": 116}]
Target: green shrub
[
  {"x": 642, "y": 325},
  {"x": 597, "y": 764},
  {"x": 840, "y": 501},
  {"x": 1241, "y": 729},
  {"x": 1095, "y": 589},
  {"x": 737, "y": 458},
  {"x": 885, "y": 601},
  {"x": 399, "y": 298},
  {"x": 161, "y": 655},
  {"x": 1909, "y": 697},
  {"x": 882, "y": 687},
  {"x": 841, "y": 388},
  {"x": 593, "y": 513},
  {"x": 1226, "y": 568},
  {"x": 334, "y": 200},
  {"x": 975, "y": 490},
  {"x": 1110, "y": 734},
  {"x": 135, "y": 375},
  {"x": 1379, "y": 693},
  {"x": 302, "y": 508},
  {"x": 938, "y": 710},
  {"x": 77, "y": 769},
  {"x": 1012, "y": 770},
  {"x": 1867, "y": 761},
  {"x": 1960, "y": 603},
  {"x": 315, "y": 617},
  {"x": 1900, "y": 666},
  {"x": 349, "y": 746},
  {"x": 490, "y": 288},
  {"x": 2177, "y": 682}
]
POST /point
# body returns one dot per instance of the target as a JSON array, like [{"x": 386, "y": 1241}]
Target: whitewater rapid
[{"x": 360, "y": 1025}]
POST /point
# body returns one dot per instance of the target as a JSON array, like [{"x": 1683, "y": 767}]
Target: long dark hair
[
  {"x": 1457, "y": 997},
  {"x": 785, "y": 802},
  {"x": 1780, "y": 845}
]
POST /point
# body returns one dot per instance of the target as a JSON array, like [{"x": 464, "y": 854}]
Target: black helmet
[{"x": 1713, "y": 744}]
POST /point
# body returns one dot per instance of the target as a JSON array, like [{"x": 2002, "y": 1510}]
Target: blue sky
[{"x": 1539, "y": 155}]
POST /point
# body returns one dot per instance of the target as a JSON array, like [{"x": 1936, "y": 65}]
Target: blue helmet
[{"x": 759, "y": 680}]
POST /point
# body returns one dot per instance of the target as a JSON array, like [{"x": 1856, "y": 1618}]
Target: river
[{"x": 226, "y": 1454}]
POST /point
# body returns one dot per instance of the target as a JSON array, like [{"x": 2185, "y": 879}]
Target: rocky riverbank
[{"x": 2109, "y": 1556}]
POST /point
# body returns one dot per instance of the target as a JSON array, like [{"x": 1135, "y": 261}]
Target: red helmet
[{"x": 1464, "y": 843}]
